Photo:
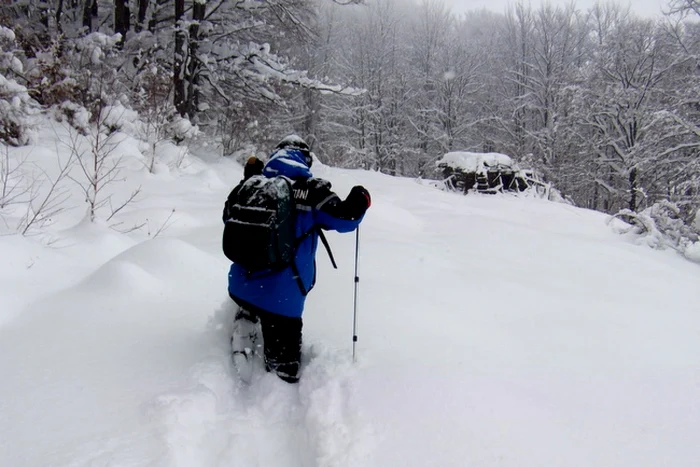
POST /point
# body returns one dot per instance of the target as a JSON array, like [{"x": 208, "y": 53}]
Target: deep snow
[{"x": 493, "y": 331}]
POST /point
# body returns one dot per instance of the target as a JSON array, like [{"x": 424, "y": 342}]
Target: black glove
[{"x": 360, "y": 198}]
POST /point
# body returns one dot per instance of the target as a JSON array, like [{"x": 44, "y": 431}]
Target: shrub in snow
[
  {"x": 159, "y": 124},
  {"x": 662, "y": 226},
  {"x": 692, "y": 252},
  {"x": 30, "y": 197},
  {"x": 111, "y": 117},
  {"x": 119, "y": 118},
  {"x": 182, "y": 129},
  {"x": 15, "y": 128},
  {"x": 100, "y": 165},
  {"x": 81, "y": 70},
  {"x": 74, "y": 114},
  {"x": 160, "y": 130},
  {"x": 15, "y": 102},
  {"x": 542, "y": 190}
]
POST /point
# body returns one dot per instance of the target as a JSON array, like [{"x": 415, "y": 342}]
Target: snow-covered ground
[{"x": 493, "y": 331}]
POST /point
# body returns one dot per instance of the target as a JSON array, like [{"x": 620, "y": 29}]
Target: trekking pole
[{"x": 357, "y": 284}]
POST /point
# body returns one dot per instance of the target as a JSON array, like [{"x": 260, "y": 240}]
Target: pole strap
[{"x": 327, "y": 245}]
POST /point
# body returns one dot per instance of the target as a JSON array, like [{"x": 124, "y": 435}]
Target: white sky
[{"x": 640, "y": 7}]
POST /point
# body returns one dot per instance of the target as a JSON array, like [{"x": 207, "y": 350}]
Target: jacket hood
[{"x": 289, "y": 162}]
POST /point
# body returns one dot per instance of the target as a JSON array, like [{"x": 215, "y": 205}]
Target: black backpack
[{"x": 259, "y": 233}]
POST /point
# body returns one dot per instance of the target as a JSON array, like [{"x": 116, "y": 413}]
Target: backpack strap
[
  {"x": 327, "y": 246},
  {"x": 293, "y": 263},
  {"x": 297, "y": 276}
]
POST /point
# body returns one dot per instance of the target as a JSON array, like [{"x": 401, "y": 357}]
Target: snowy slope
[{"x": 493, "y": 331}]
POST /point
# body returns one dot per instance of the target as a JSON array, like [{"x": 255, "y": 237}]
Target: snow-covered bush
[
  {"x": 662, "y": 226},
  {"x": 119, "y": 118},
  {"x": 100, "y": 165},
  {"x": 81, "y": 70},
  {"x": 162, "y": 133},
  {"x": 15, "y": 128},
  {"x": 544, "y": 190},
  {"x": 159, "y": 123},
  {"x": 159, "y": 129},
  {"x": 181, "y": 129},
  {"x": 74, "y": 114}
]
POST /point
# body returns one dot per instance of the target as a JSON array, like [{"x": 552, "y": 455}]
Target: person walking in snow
[
  {"x": 274, "y": 299},
  {"x": 253, "y": 166}
]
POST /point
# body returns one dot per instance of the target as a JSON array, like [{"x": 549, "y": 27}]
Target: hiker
[
  {"x": 274, "y": 298},
  {"x": 253, "y": 166}
]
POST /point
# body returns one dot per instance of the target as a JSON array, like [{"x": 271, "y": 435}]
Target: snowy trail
[{"x": 220, "y": 421}]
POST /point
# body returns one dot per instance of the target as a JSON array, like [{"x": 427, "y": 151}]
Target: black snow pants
[{"x": 281, "y": 339}]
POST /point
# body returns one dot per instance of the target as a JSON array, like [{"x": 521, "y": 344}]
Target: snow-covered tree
[
  {"x": 624, "y": 104},
  {"x": 15, "y": 128}
]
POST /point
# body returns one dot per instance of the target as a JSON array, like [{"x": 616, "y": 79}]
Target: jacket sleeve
[{"x": 332, "y": 213}]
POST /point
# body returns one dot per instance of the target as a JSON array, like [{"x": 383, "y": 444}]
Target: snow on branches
[
  {"x": 15, "y": 128},
  {"x": 661, "y": 226}
]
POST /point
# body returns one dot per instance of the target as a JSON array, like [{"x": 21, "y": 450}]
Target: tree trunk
[
  {"x": 59, "y": 12},
  {"x": 179, "y": 90},
  {"x": 44, "y": 15},
  {"x": 193, "y": 63},
  {"x": 121, "y": 20},
  {"x": 634, "y": 184},
  {"x": 89, "y": 10},
  {"x": 141, "y": 16}
]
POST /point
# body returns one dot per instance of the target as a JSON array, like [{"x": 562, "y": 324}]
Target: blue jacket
[{"x": 317, "y": 207}]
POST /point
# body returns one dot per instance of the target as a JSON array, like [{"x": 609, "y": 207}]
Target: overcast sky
[{"x": 649, "y": 8}]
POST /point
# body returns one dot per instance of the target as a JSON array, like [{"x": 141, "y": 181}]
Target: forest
[{"x": 602, "y": 103}]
